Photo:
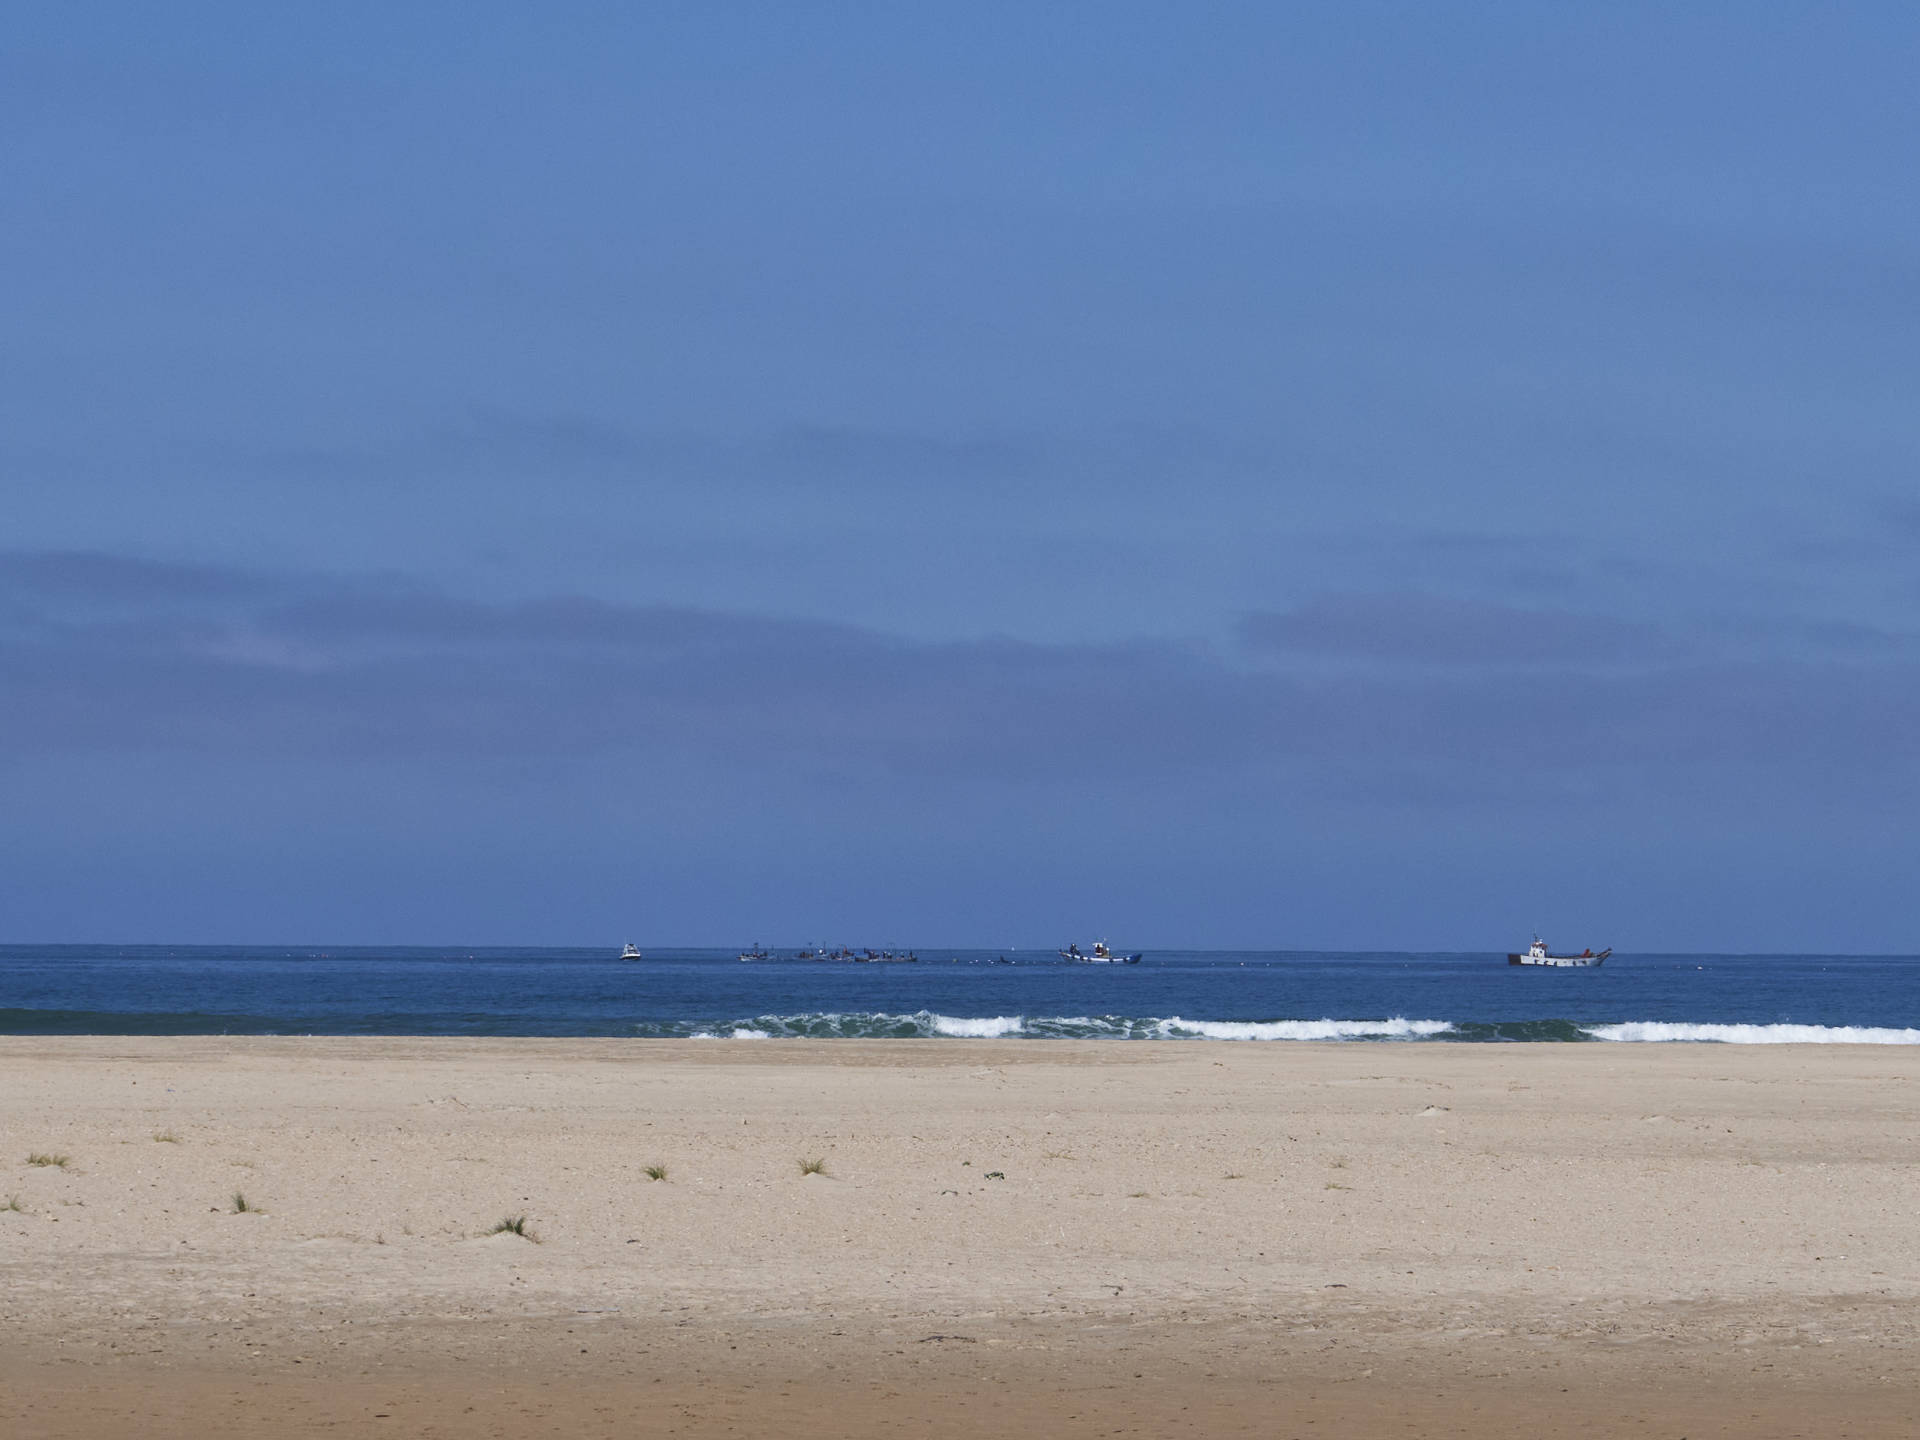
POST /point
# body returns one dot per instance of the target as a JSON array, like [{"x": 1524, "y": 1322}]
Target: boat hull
[{"x": 1560, "y": 962}]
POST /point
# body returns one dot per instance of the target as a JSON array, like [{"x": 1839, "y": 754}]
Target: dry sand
[{"x": 1038, "y": 1237}]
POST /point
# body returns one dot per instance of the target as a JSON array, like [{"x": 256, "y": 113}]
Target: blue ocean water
[{"x": 1174, "y": 995}]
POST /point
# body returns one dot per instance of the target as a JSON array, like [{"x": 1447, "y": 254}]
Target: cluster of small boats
[
  {"x": 845, "y": 955},
  {"x": 1101, "y": 954}
]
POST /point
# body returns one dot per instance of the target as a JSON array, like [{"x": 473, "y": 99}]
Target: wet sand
[{"x": 1070, "y": 1238}]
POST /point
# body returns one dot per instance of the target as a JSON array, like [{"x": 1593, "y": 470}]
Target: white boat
[
  {"x": 630, "y": 951},
  {"x": 1099, "y": 955},
  {"x": 1538, "y": 954}
]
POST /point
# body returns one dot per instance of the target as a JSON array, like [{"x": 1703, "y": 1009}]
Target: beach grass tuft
[
  {"x": 243, "y": 1206},
  {"x": 41, "y": 1157},
  {"x": 654, "y": 1172},
  {"x": 814, "y": 1167},
  {"x": 514, "y": 1225},
  {"x": 13, "y": 1205},
  {"x": 166, "y": 1137}
]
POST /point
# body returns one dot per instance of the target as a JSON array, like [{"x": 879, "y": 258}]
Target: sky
[{"x": 1349, "y": 475}]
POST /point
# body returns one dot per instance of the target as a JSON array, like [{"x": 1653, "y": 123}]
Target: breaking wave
[
  {"x": 924, "y": 1024},
  {"x": 931, "y": 1025},
  {"x": 1662, "y": 1030},
  {"x": 978, "y": 1029},
  {"x": 1306, "y": 1029}
]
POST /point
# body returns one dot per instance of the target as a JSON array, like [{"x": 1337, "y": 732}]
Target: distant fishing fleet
[
  {"x": 845, "y": 955},
  {"x": 1100, "y": 954},
  {"x": 1536, "y": 954}
]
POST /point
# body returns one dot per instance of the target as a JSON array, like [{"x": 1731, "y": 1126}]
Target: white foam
[
  {"x": 983, "y": 1028},
  {"x": 1306, "y": 1029},
  {"x": 838, "y": 1025},
  {"x": 1659, "y": 1030}
]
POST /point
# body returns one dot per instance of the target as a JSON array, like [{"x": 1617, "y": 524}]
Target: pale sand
[{"x": 1190, "y": 1238}]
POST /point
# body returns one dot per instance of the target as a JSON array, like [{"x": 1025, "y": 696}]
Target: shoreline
[
  {"x": 1044, "y": 1029},
  {"x": 1514, "y": 1226}
]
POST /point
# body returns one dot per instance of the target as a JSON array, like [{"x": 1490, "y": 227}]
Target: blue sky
[{"x": 1327, "y": 475}]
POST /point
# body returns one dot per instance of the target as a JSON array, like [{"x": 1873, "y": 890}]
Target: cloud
[
  {"x": 1444, "y": 631},
  {"x": 57, "y": 577},
  {"x": 849, "y": 451},
  {"x": 1463, "y": 705},
  {"x": 305, "y": 666}
]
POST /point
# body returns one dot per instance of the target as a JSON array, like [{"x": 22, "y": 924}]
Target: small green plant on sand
[
  {"x": 514, "y": 1225},
  {"x": 654, "y": 1172},
  {"x": 167, "y": 1137},
  {"x": 813, "y": 1167},
  {"x": 243, "y": 1206},
  {"x": 40, "y": 1157},
  {"x": 13, "y": 1204}
]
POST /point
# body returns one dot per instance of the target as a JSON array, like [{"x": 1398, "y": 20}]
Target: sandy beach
[{"x": 1072, "y": 1238}]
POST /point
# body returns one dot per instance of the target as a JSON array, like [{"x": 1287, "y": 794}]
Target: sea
[{"x": 1175, "y": 996}]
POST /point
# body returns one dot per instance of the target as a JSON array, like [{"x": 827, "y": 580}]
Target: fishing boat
[
  {"x": 631, "y": 951},
  {"x": 1099, "y": 955},
  {"x": 1538, "y": 954}
]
